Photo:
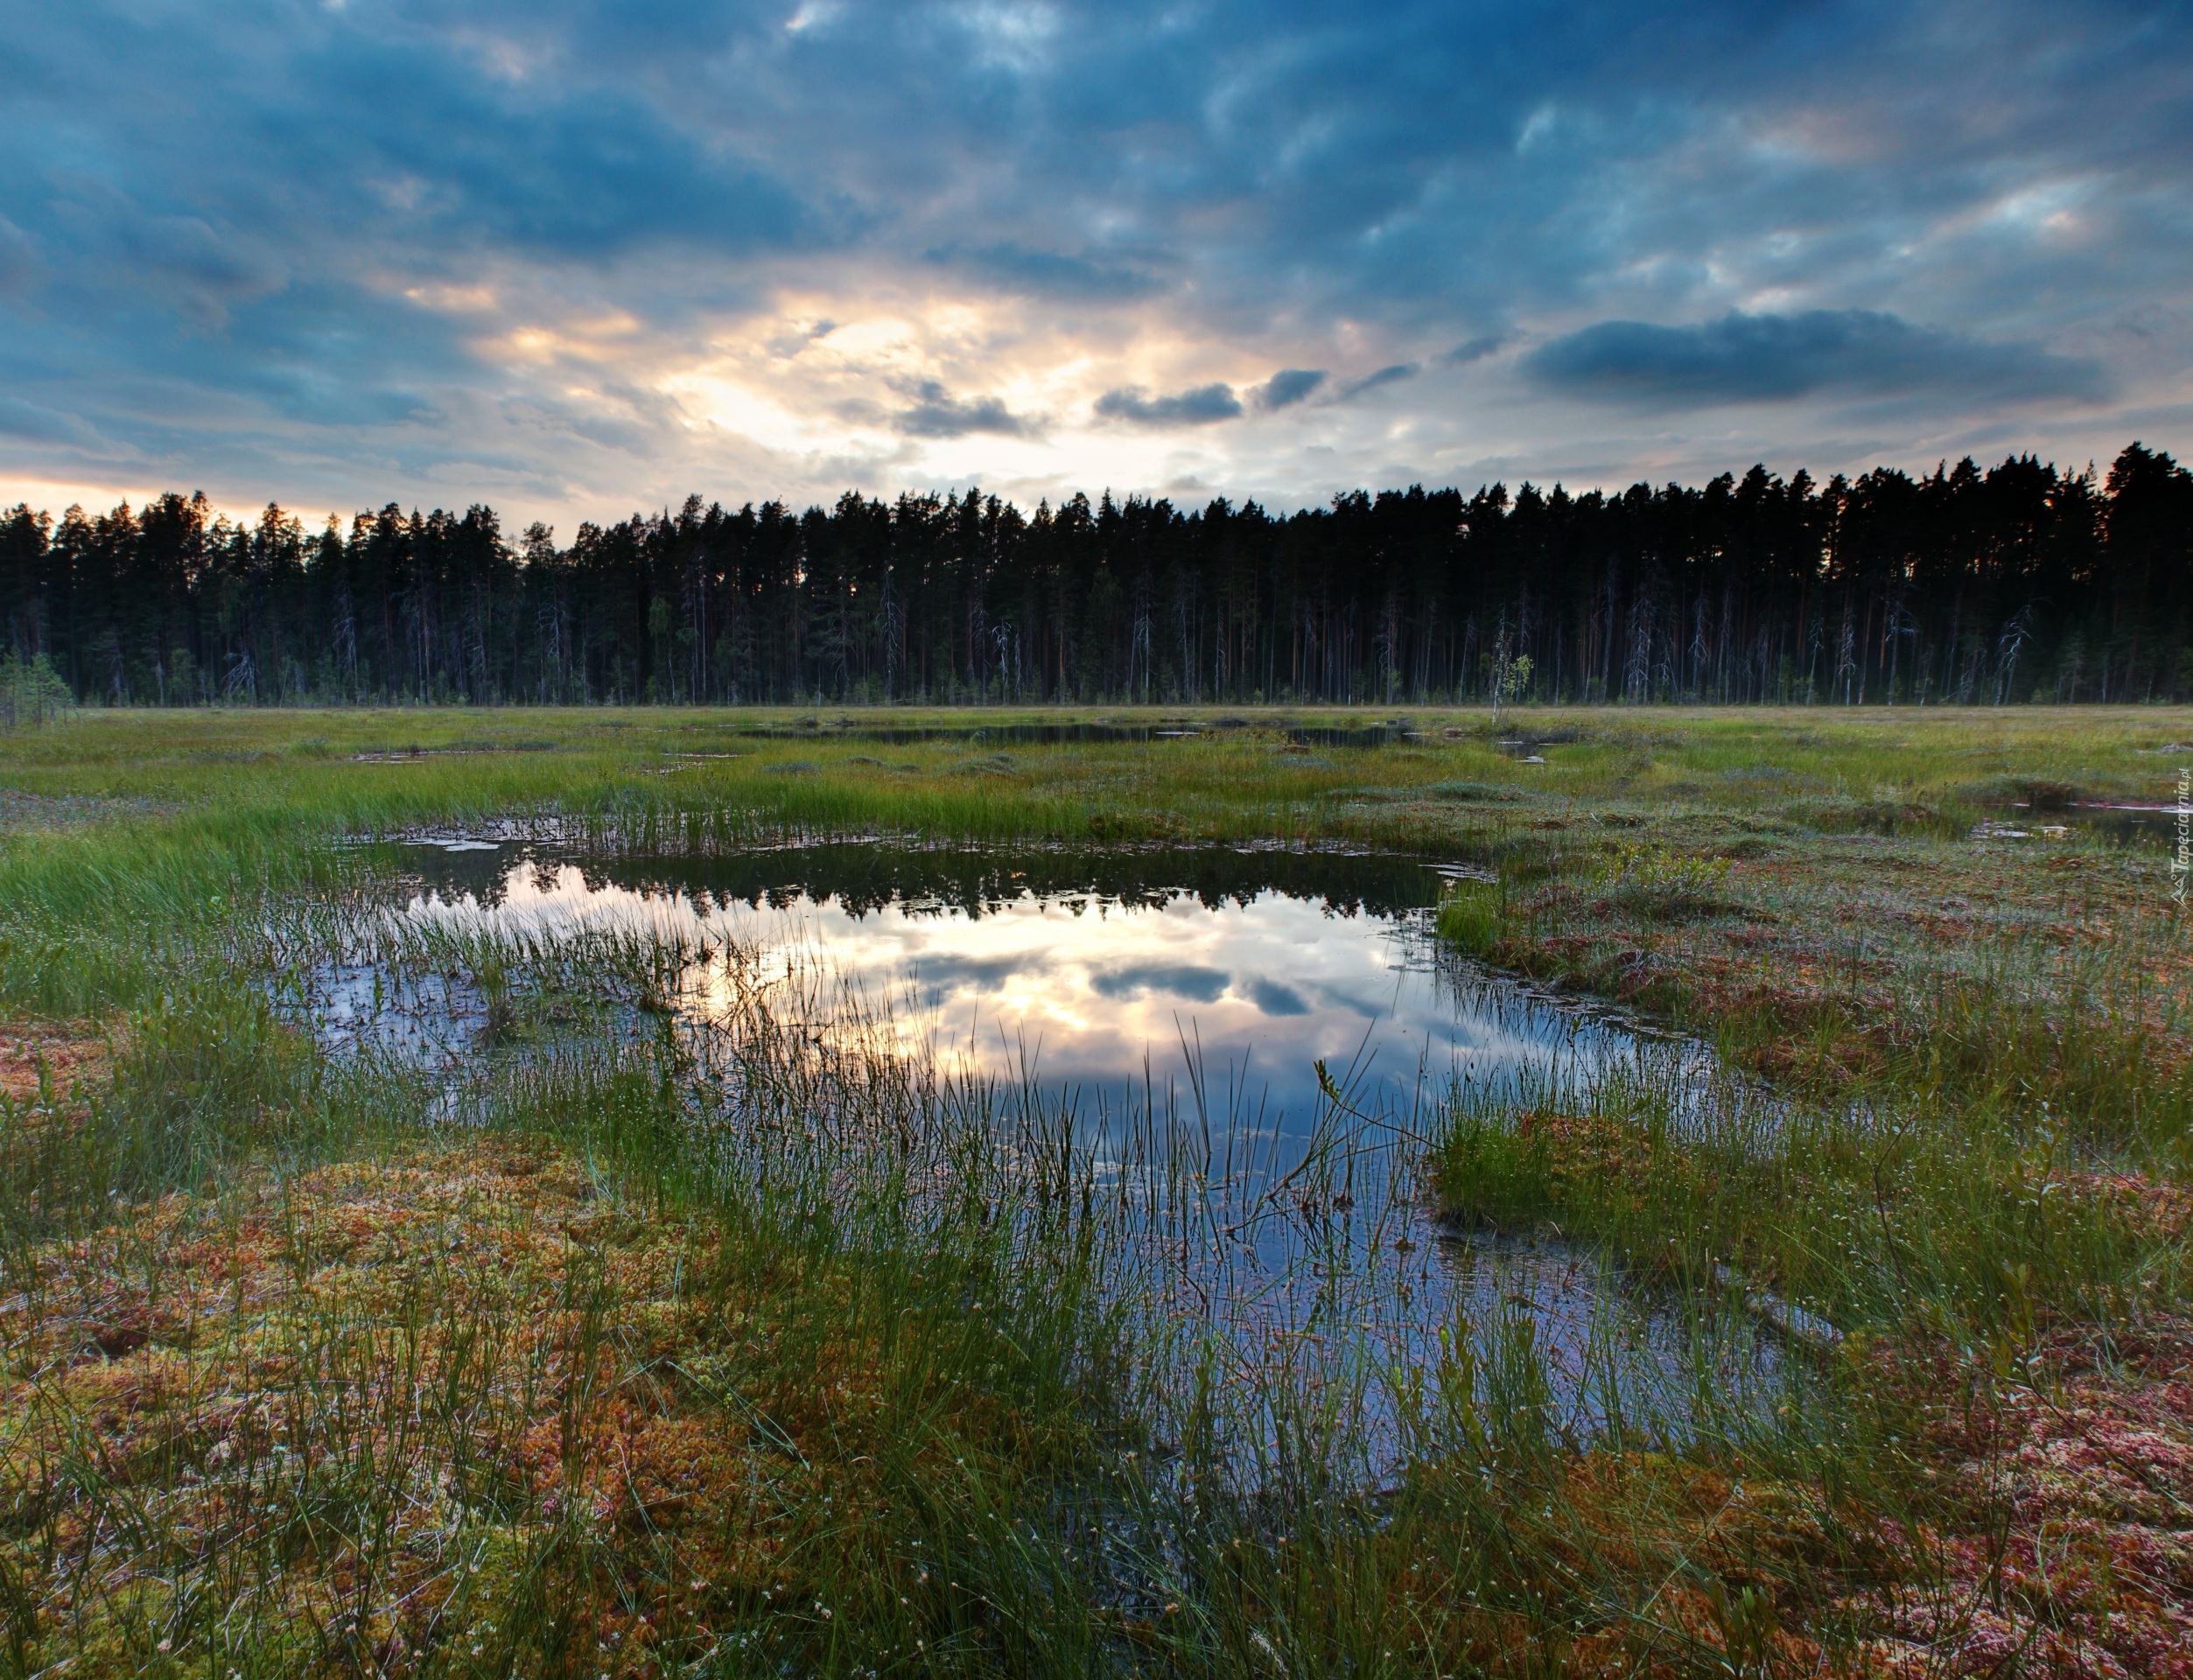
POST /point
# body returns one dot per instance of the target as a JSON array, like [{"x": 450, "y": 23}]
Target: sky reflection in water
[
  {"x": 1094, "y": 971},
  {"x": 1195, "y": 990}
]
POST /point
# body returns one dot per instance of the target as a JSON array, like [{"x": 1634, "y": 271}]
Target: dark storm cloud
[
  {"x": 1288, "y": 386},
  {"x": 1777, "y": 358},
  {"x": 936, "y": 414},
  {"x": 1195, "y": 408}
]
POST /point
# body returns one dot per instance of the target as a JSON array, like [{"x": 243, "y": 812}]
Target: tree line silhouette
[{"x": 2017, "y": 583}]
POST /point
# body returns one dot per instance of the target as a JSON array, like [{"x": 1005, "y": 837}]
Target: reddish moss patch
[
  {"x": 461, "y": 1396},
  {"x": 62, "y": 1056},
  {"x": 2056, "y": 1534}
]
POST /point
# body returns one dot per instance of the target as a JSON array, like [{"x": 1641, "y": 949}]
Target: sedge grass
[
  {"x": 863, "y": 1350},
  {"x": 615, "y": 1355}
]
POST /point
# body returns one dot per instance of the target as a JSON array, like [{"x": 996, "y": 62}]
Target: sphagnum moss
[{"x": 300, "y": 1381}]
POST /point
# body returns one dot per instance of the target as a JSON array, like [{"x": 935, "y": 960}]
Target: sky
[{"x": 577, "y": 259}]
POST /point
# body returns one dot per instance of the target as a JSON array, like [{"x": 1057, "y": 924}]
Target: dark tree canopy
[{"x": 2019, "y": 583}]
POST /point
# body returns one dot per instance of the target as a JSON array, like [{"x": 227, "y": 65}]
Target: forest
[{"x": 2017, "y": 583}]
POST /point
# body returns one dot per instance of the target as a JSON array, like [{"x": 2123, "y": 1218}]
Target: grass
[
  {"x": 2043, "y": 972},
  {"x": 630, "y": 1348}
]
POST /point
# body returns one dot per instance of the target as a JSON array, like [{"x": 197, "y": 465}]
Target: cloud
[
  {"x": 218, "y": 264},
  {"x": 1477, "y": 349},
  {"x": 1392, "y": 375},
  {"x": 575, "y": 166},
  {"x": 1276, "y": 999},
  {"x": 1288, "y": 386},
  {"x": 19, "y": 260},
  {"x": 235, "y": 237},
  {"x": 40, "y": 426},
  {"x": 943, "y": 971},
  {"x": 937, "y": 414},
  {"x": 792, "y": 343},
  {"x": 1850, "y": 353},
  {"x": 1196, "y": 408},
  {"x": 198, "y": 269},
  {"x": 1193, "y": 982},
  {"x": 1025, "y": 270}
]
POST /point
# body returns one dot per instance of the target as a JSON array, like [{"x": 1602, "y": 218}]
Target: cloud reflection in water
[{"x": 1097, "y": 989}]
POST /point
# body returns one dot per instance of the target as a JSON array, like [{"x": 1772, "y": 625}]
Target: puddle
[
  {"x": 2123, "y": 823},
  {"x": 2129, "y": 825},
  {"x": 1178, "y": 1003},
  {"x": 1375, "y": 735}
]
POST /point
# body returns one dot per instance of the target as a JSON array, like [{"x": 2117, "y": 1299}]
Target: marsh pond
[{"x": 1253, "y": 1047}]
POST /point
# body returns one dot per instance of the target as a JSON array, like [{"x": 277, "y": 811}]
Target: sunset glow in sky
[{"x": 577, "y": 259}]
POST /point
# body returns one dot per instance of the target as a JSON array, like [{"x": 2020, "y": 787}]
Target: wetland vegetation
[{"x": 722, "y": 1192}]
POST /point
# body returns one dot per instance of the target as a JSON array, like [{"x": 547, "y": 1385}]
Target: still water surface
[
  {"x": 1188, "y": 994},
  {"x": 1098, "y": 972}
]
